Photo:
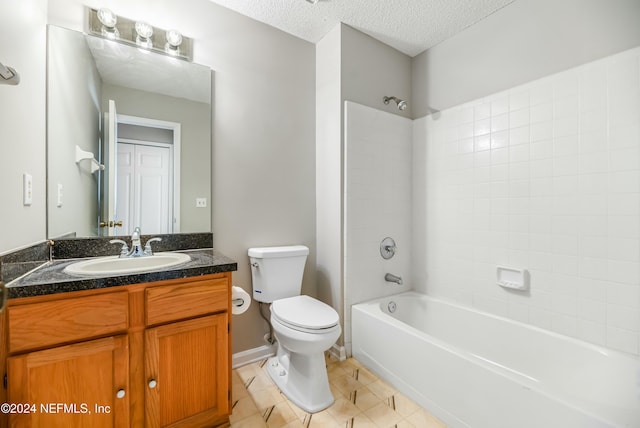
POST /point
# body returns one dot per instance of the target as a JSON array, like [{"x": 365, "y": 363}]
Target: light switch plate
[
  {"x": 60, "y": 193},
  {"x": 27, "y": 189},
  {"x": 201, "y": 202}
]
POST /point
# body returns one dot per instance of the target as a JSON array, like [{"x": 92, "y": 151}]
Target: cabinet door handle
[
  {"x": 153, "y": 383},
  {"x": 120, "y": 393}
]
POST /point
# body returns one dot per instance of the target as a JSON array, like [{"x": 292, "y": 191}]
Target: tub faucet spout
[{"x": 393, "y": 278}]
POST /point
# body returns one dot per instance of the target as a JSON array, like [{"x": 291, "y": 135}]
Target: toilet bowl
[{"x": 304, "y": 328}]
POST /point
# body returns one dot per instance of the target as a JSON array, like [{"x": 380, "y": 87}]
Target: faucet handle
[
  {"x": 124, "y": 251},
  {"x": 147, "y": 247}
]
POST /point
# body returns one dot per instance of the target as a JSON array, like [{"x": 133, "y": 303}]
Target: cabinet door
[
  {"x": 187, "y": 369},
  {"x": 79, "y": 385}
]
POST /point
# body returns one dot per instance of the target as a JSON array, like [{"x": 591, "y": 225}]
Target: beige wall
[
  {"x": 371, "y": 70},
  {"x": 328, "y": 189},
  {"x": 22, "y": 122},
  {"x": 524, "y": 41}
]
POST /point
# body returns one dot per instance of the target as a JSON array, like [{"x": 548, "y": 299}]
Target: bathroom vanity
[{"x": 127, "y": 351}]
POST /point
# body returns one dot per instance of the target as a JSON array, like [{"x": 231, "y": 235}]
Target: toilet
[{"x": 304, "y": 327}]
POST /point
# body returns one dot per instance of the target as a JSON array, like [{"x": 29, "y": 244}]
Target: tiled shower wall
[
  {"x": 543, "y": 177},
  {"x": 377, "y": 204}
]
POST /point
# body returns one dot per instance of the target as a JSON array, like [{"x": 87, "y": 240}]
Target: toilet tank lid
[{"x": 273, "y": 252}]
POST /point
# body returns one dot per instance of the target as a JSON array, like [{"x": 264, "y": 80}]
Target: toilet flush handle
[{"x": 255, "y": 265}]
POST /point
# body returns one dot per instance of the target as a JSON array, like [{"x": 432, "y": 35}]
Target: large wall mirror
[{"x": 128, "y": 139}]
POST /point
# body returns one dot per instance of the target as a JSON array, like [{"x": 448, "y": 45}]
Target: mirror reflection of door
[
  {"x": 109, "y": 222},
  {"x": 141, "y": 177},
  {"x": 143, "y": 192}
]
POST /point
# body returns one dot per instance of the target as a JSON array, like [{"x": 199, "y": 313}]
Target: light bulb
[
  {"x": 145, "y": 31},
  {"x": 107, "y": 18},
  {"x": 174, "y": 38}
]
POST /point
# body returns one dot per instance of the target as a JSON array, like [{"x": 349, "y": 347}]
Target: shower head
[{"x": 402, "y": 105}]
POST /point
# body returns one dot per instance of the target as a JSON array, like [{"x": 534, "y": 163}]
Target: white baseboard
[
  {"x": 252, "y": 355},
  {"x": 338, "y": 352}
]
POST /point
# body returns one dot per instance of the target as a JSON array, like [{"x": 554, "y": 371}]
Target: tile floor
[{"x": 362, "y": 400}]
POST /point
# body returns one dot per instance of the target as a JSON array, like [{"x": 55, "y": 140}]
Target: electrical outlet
[
  {"x": 27, "y": 189},
  {"x": 201, "y": 202}
]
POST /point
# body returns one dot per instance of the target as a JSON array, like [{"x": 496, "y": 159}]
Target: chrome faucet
[
  {"x": 124, "y": 251},
  {"x": 147, "y": 247},
  {"x": 136, "y": 245},
  {"x": 393, "y": 278}
]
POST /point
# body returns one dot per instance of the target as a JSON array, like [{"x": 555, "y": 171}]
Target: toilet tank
[{"x": 276, "y": 272}]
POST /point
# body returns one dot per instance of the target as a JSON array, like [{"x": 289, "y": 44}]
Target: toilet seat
[{"x": 304, "y": 313}]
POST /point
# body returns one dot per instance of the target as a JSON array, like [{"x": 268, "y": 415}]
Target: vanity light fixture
[{"x": 106, "y": 24}]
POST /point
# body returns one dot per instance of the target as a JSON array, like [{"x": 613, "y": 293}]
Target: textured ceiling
[
  {"x": 411, "y": 26},
  {"x": 130, "y": 67}
]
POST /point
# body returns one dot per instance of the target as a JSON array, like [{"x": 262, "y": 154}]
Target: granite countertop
[{"x": 50, "y": 278}]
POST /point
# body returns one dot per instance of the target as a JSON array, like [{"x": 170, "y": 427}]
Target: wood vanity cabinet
[
  {"x": 145, "y": 355},
  {"x": 77, "y": 376}
]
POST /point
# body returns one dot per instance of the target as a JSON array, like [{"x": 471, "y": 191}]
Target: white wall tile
[
  {"x": 623, "y": 340},
  {"x": 541, "y": 131},
  {"x": 623, "y": 294},
  {"x": 550, "y": 182},
  {"x": 541, "y": 149},
  {"x": 541, "y": 112},
  {"x": 519, "y": 99},
  {"x": 482, "y": 127},
  {"x": 623, "y": 249},
  {"x": 565, "y": 304},
  {"x": 592, "y": 310},
  {"x": 593, "y": 289},
  {"x": 500, "y": 105},
  {"x": 564, "y": 324},
  {"x": 624, "y": 137},
  {"x": 624, "y": 317},
  {"x": 519, "y": 135},
  {"x": 625, "y": 159},
  {"x": 592, "y": 332},
  {"x": 500, "y": 123},
  {"x": 565, "y": 165},
  {"x": 482, "y": 111}
]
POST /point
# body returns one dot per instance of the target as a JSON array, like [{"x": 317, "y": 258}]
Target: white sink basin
[{"x": 114, "y": 265}]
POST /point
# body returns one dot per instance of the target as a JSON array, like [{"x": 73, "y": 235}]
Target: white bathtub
[{"x": 473, "y": 369}]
